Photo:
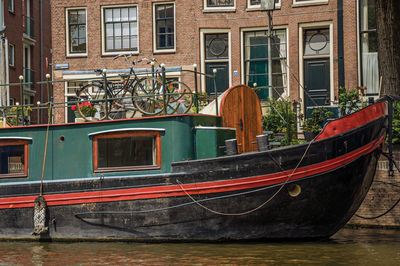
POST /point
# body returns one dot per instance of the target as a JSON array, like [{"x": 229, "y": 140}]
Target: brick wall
[{"x": 384, "y": 193}]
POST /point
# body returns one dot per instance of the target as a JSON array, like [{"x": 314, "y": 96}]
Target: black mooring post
[
  {"x": 21, "y": 85},
  {"x": 164, "y": 83},
  {"x": 215, "y": 91},
  {"x": 105, "y": 91},
  {"x": 196, "y": 99},
  {"x": 390, "y": 129}
]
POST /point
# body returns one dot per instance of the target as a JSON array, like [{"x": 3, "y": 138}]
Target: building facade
[
  {"x": 316, "y": 46},
  {"x": 25, "y": 51}
]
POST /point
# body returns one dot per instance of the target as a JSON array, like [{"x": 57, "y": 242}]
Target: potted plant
[
  {"x": 313, "y": 125},
  {"x": 14, "y": 115},
  {"x": 87, "y": 109}
]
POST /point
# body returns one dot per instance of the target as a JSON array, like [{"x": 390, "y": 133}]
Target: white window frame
[
  {"x": 206, "y": 8},
  {"x": 203, "y": 32},
  {"x": 103, "y": 31},
  {"x": 2, "y": 27},
  {"x": 316, "y": 25},
  {"x": 11, "y": 6},
  {"x": 72, "y": 78},
  {"x": 155, "y": 50},
  {"x": 251, "y": 7},
  {"x": 11, "y": 52},
  {"x": 297, "y": 3},
  {"x": 242, "y": 58},
  {"x": 67, "y": 33}
]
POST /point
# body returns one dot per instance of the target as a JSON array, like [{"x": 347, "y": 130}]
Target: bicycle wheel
[
  {"x": 122, "y": 105},
  {"x": 180, "y": 98},
  {"x": 148, "y": 96},
  {"x": 92, "y": 101}
]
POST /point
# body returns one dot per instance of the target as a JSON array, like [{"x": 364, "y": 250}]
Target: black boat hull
[{"x": 304, "y": 191}]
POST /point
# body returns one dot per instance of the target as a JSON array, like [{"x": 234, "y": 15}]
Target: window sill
[
  {"x": 105, "y": 54},
  {"x": 258, "y": 8},
  {"x": 76, "y": 55},
  {"x": 166, "y": 51},
  {"x": 16, "y": 175},
  {"x": 219, "y": 9},
  {"x": 311, "y": 3},
  {"x": 126, "y": 169}
]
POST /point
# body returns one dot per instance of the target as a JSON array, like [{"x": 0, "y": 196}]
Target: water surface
[{"x": 349, "y": 246}]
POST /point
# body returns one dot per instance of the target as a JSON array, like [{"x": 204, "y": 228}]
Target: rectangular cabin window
[
  {"x": 13, "y": 158},
  {"x": 128, "y": 151}
]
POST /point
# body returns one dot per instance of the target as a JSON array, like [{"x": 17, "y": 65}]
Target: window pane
[
  {"x": 116, "y": 14},
  {"x": 123, "y": 23},
  {"x": 164, "y": 26},
  {"x": 126, "y": 151},
  {"x": 219, "y": 3},
  {"x": 108, "y": 15},
  {"x": 217, "y": 46},
  {"x": 317, "y": 42},
  {"x": 256, "y": 62},
  {"x": 12, "y": 159},
  {"x": 124, "y": 14},
  {"x": 77, "y": 31}
]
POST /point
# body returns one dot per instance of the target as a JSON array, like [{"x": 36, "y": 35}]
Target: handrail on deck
[{"x": 21, "y": 111}]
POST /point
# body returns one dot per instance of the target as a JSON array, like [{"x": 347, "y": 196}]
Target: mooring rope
[
  {"x": 45, "y": 149},
  {"x": 262, "y": 204}
]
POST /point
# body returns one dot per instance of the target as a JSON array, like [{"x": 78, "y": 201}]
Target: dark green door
[
  {"x": 316, "y": 82},
  {"x": 222, "y": 77}
]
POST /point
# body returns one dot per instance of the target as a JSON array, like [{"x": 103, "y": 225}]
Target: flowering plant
[{"x": 86, "y": 108}]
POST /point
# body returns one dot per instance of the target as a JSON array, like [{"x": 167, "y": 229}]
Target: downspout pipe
[{"x": 340, "y": 43}]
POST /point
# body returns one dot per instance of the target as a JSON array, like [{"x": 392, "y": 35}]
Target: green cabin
[{"x": 109, "y": 148}]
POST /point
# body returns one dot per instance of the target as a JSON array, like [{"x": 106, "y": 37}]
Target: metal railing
[{"x": 20, "y": 111}]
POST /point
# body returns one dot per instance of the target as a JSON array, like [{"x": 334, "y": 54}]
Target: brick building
[
  {"x": 316, "y": 45},
  {"x": 25, "y": 49}
]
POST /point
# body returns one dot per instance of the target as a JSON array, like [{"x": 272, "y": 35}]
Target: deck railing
[{"x": 20, "y": 113}]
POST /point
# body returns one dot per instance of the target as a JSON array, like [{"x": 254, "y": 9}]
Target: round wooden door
[{"x": 241, "y": 109}]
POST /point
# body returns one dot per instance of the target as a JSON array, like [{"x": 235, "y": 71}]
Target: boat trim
[
  {"x": 16, "y": 138},
  {"x": 176, "y": 190},
  {"x": 125, "y": 129}
]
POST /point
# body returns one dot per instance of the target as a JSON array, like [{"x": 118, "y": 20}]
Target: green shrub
[{"x": 282, "y": 118}]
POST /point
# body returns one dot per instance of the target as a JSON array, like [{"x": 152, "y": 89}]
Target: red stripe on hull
[
  {"x": 198, "y": 188},
  {"x": 354, "y": 120}
]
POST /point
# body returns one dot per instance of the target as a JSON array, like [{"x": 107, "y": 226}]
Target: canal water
[{"x": 348, "y": 246}]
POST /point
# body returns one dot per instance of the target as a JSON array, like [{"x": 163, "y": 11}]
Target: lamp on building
[{"x": 267, "y": 4}]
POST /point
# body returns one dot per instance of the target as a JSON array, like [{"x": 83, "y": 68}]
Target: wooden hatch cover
[{"x": 241, "y": 109}]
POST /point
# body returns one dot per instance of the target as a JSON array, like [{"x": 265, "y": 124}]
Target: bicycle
[
  {"x": 180, "y": 96},
  {"x": 121, "y": 100}
]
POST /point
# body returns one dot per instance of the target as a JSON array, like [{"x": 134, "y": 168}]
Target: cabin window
[
  {"x": 126, "y": 151},
  {"x": 13, "y": 158}
]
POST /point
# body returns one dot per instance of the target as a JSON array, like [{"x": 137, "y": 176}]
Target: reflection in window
[
  {"x": 256, "y": 62},
  {"x": 12, "y": 158},
  {"x": 77, "y": 30},
  {"x": 121, "y": 29},
  {"x": 127, "y": 151},
  {"x": 219, "y": 3},
  {"x": 369, "y": 49},
  {"x": 164, "y": 21},
  {"x": 316, "y": 42}
]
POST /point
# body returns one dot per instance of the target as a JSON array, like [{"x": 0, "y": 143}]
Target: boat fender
[{"x": 39, "y": 216}]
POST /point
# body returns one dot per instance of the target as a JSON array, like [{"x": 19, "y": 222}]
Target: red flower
[{"x": 73, "y": 107}]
